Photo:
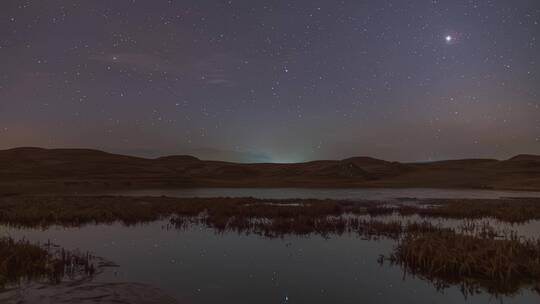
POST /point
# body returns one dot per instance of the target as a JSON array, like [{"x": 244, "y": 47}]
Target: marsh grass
[
  {"x": 33, "y": 211},
  {"x": 21, "y": 260},
  {"x": 501, "y": 266},
  {"x": 43, "y": 211}
]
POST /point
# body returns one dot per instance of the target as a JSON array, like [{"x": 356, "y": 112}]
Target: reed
[
  {"x": 44, "y": 211},
  {"x": 501, "y": 266},
  {"x": 74, "y": 211},
  {"x": 21, "y": 260}
]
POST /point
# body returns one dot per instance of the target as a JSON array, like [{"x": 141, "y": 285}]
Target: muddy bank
[{"x": 86, "y": 293}]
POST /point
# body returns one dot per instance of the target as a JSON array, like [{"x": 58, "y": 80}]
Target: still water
[
  {"x": 198, "y": 265},
  {"x": 328, "y": 193}
]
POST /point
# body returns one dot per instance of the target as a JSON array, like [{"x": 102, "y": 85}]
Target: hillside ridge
[{"x": 82, "y": 168}]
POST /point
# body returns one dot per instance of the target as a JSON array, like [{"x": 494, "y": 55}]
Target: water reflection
[{"x": 197, "y": 265}]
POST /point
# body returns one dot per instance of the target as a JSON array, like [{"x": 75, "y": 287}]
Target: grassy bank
[{"x": 77, "y": 210}]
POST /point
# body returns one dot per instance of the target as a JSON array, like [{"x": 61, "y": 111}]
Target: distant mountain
[{"x": 23, "y": 169}]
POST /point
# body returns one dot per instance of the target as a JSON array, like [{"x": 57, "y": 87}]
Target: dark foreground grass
[
  {"x": 499, "y": 265},
  {"x": 23, "y": 260},
  {"x": 473, "y": 255}
]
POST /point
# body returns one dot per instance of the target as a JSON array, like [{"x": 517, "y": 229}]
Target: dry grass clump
[
  {"x": 498, "y": 265},
  {"x": 22, "y": 260}
]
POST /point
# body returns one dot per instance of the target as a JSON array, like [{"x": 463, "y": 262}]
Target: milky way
[{"x": 277, "y": 81}]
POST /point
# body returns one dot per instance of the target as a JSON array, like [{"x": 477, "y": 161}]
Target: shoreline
[{"x": 99, "y": 189}]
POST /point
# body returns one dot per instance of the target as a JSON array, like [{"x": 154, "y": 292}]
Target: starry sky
[{"x": 273, "y": 81}]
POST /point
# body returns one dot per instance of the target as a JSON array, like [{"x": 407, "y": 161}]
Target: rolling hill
[{"x": 37, "y": 169}]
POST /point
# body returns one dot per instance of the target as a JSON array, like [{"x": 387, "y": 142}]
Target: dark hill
[{"x": 61, "y": 169}]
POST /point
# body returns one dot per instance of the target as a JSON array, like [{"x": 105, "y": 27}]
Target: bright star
[{"x": 449, "y": 38}]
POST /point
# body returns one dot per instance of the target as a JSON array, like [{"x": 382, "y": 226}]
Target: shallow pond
[{"x": 197, "y": 265}]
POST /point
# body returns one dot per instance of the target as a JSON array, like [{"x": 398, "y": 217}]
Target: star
[{"x": 324, "y": 71}]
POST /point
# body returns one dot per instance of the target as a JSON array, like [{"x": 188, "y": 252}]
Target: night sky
[{"x": 277, "y": 81}]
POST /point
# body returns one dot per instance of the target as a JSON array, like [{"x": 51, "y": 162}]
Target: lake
[{"x": 199, "y": 265}]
